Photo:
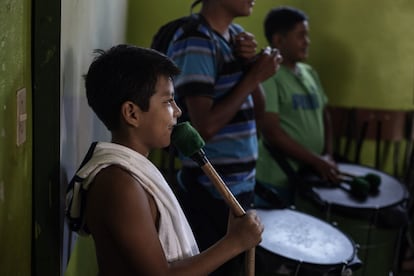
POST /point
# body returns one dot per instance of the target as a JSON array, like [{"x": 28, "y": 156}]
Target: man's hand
[
  {"x": 245, "y": 46},
  {"x": 327, "y": 169},
  {"x": 266, "y": 65}
]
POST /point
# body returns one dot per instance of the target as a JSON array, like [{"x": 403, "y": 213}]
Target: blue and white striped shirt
[{"x": 210, "y": 69}]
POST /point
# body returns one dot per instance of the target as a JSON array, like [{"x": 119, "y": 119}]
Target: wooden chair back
[{"x": 390, "y": 130}]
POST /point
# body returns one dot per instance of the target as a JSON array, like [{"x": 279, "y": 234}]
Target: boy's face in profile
[
  {"x": 158, "y": 122},
  {"x": 295, "y": 43}
]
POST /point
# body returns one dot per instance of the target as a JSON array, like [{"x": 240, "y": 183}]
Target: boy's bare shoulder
[
  {"x": 113, "y": 191},
  {"x": 113, "y": 181},
  {"x": 119, "y": 216}
]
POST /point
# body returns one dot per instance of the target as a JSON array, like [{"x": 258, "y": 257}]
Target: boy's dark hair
[
  {"x": 124, "y": 73},
  {"x": 282, "y": 20}
]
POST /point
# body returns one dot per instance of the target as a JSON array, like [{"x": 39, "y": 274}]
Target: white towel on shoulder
[{"x": 175, "y": 234}]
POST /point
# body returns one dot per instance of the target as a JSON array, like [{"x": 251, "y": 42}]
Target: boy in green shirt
[{"x": 295, "y": 124}]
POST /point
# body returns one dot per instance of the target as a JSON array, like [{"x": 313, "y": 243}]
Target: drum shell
[
  {"x": 376, "y": 230},
  {"x": 268, "y": 264},
  {"x": 376, "y": 246}
]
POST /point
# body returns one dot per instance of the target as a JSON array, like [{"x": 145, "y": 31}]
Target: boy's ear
[{"x": 130, "y": 113}]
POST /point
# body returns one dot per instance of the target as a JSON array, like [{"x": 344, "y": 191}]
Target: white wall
[{"x": 86, "y": 25}]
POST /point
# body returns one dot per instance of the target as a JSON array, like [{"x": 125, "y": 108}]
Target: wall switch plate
[{"x": 21, "y": 116}]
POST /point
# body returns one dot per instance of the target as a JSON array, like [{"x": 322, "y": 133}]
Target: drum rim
[{"x": 316, "y": 199}]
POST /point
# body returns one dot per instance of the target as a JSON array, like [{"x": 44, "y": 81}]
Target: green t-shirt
[{"x": 299, "y": 100}]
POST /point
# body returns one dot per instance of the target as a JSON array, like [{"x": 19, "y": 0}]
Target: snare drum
[
  {"x": 295, "y": 243},
  {"x": 374, "y": 223}
]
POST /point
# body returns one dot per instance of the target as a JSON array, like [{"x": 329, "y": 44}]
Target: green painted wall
[
  {"x": 15, "y": 161},
  {"x": 145, "y": 17},
  {"x": 363, "y": 50}
]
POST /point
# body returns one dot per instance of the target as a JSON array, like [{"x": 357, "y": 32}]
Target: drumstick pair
[
  {"x": 361, "y": 186},
  {"x": 374, "y": 180}
]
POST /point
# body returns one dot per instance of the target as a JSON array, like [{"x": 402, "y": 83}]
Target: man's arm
[
  {"x": 259, "y": 100},
  {"x": 280, "y": 140},
  {"x": 209, "y": 117}
]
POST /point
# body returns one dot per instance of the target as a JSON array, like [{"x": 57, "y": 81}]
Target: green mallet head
[
  {"x": 186, "y": 139},
  {"x": 374, "y": 181},
  {"x": 359, "y": 187}
]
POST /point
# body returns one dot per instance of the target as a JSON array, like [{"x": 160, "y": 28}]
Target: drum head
[
  {"x": 391, "y": 192},
  {"x": 304, "y": 238}
]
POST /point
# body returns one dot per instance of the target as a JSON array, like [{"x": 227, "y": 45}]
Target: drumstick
[
  {"x": 189, "y": 142},
  {"x": 359, "y": 187},
  {"x": 374, "y": 180}
]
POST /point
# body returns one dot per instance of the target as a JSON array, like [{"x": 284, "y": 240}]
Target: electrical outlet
[{"x": 21, "y": 116}]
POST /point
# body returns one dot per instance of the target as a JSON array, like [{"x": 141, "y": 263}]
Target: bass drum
[
  {"x": 375, "y": 223},
  {"x": 295, "y": 243}
]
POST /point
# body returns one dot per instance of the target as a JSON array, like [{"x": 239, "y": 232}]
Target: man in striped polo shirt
[{"x": 219, "y": 93}]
